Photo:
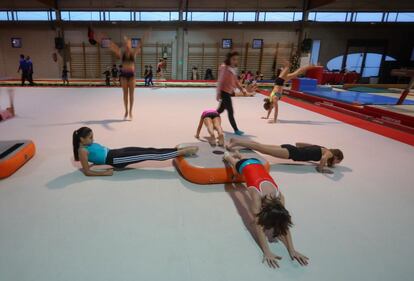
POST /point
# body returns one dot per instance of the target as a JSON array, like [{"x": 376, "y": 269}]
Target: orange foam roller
[
  {"x": 13, "y": 155},
  {"x": 208, "y": 167}
]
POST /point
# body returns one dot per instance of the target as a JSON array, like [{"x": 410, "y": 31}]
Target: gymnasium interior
[{"x": 327, "y": 75}]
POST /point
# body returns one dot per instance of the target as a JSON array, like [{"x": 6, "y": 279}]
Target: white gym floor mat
[{"x": 150, "y": 224}]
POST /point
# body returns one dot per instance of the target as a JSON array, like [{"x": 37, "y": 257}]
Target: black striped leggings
[{"x": 122, "y": 157}]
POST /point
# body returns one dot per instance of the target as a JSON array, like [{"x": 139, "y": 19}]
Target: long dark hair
[
  {"x": 229, "y": 56},
  {"x": 267, "y": 104},
  {"x": 273, "y": 215},
  {"x": 77, "y": 134},
  {"x": 337, "y": 154}
]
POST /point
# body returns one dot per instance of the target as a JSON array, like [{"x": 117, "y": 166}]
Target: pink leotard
[{"x": 208, "y": 111}]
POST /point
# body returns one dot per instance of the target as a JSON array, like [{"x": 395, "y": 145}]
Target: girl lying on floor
[
  {"x": 212, "y": 121},
  {"x": 268, "y": 205},
  {"x": 87, "y": 151},
  {"x": 299, "y": 152}
]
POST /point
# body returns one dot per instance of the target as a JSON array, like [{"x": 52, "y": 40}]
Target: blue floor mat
[{"x": 356, "y": 97}]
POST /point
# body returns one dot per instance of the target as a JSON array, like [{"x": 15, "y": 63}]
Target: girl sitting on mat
[
  {"x": 86, "y": 150},
  {"x": 271, "y": 102},
  {"x": 298, "y": 152},
  {"x": 212, "y": 121},
  {"x": 268, "y": 205}
]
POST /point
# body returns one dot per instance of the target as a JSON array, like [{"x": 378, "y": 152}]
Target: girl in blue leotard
[{"x": 87, "y": 151}]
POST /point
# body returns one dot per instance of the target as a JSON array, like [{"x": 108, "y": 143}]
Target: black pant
[
  {"x": 122, "y": 157},
  {"x": 226, "y": 104},
  {"x": 30, "y": 76},
  {"x": 25, "y": 76}
]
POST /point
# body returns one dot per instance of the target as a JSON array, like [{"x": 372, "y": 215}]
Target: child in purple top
[{"x": 212, "y": 121}]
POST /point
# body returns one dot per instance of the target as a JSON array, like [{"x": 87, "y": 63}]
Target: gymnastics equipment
[
  {"x": 404, "y": 73},
  {"x": 13, "y": 155},
  {"x": 208, "y": 167},
  {"x": 304, "y": 84}
]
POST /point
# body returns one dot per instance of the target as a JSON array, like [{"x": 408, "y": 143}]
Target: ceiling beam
[
  {"x": 50, "y": 3},
  {"x": 313, "y": 4}
]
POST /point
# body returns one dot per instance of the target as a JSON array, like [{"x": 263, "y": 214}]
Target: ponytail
[{"x": 77, "y": 134}]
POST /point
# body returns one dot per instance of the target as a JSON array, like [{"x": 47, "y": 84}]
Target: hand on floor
[
  {"x": 301, "y": 259},
  {"x": 271, "y": 260}
]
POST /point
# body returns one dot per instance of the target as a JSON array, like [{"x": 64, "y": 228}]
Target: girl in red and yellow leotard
[{"x": 267, "y": 205}]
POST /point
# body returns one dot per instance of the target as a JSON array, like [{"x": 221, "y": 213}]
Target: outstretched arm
[
  {"x": 288, "y": 242},
  {"x": 86, "y": 169},
  {"x": 200, "y": 125},
  {"x": 115, "y": 49},
  {"x": 324, "y": 160},
  {"x": 268, "y": 257}
]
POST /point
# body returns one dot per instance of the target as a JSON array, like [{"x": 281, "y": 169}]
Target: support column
[{"x": 180, "y": 53}]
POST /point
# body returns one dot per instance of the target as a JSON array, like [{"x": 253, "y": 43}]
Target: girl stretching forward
[
  {"x": 86, "y": 150},
  {"x": 212, "y": 121},
  {"x": 268, "y": 205},
  {"x": 271, "y": 102},
  {"x": 298, "y": 152}
]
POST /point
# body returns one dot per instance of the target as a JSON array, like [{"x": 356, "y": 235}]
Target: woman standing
[
  {"x": 127, "y": 74},
  {"x": 226, "y": 83}
]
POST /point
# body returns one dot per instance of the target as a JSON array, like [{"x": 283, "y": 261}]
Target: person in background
[
  {"x": 150, "y": 75},
  {"x": 259, "y": 76},
  {"x": 29, "y": 70},
  {"x": 160, "y": 69},
  {"x": 209, "y": 74},
  {"x": 194, "y": 73},
  {"x": 249, "y": 77},
  {"x": 146, "y": 76},
  {"x": 65, "y": 72},
  {"x": 242, "y": 77},
  {"x": 23, "y": 68},
  {"x": 226, "y": 83},
  {"x": 272, "y": 102},
  {"x": 107, "y": 74},
  {"x": 114, "y": 74}
]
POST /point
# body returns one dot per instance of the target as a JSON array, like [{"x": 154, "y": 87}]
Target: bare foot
[
  {"x": 231, "y": 144},
  {"x": 211, "y": 141},
  {"x": 237, "y": 154},
  {"x": 130, "y": 115},
  {"x": 126, "y": 115},
  {"x": 227, "y": 157},
  {"x": 221, "y": 140}
]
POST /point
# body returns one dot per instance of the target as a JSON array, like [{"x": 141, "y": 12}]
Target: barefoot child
[
  {"x": 87, "y": 151},
  {"x": 267, "y": 204},
  {"x": 271, "y": 102},
  {"x": 298, "y": 152},
  {"x": 212, "y": 121}
]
